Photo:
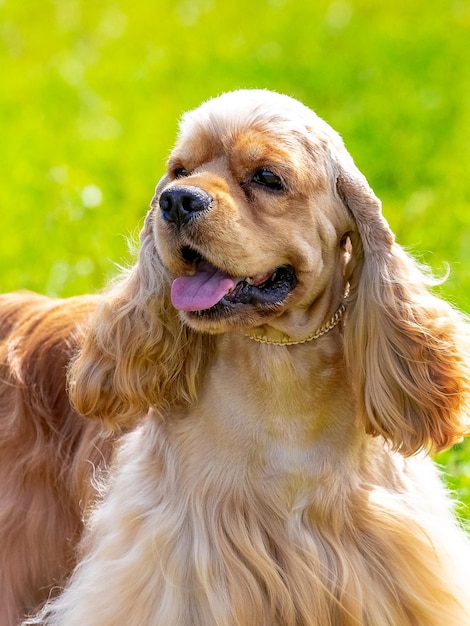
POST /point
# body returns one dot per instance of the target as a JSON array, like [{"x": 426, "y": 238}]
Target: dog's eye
[
  {"x": 180, "y": 172},
  {"x": 268, "y": 179}
]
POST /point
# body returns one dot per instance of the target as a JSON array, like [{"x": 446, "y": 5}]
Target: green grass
[{"x": 91, "y": 93}]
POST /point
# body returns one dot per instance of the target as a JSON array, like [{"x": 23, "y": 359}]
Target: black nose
[{"x": 180, "y": 204}]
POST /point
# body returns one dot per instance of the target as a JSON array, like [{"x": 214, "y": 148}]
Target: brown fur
[
  {"x": 48, "y": 453},
  {"x": 264, "y": 484}
]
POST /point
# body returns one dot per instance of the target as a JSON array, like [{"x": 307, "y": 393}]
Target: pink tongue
[{"x": 202, "y": 290}]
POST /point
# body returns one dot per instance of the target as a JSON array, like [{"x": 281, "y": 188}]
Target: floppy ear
[
  {"x": 136, "y": 353},
  {"x": 407, "y": 350}
]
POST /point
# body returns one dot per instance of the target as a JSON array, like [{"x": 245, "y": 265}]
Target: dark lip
[
  {"x": 191, "y": 256},
  {"x": 266, "y": 297},
  {"x": 272, "y": 292}
]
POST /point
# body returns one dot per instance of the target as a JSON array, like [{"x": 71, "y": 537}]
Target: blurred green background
[{"x": 91, "y": 92}]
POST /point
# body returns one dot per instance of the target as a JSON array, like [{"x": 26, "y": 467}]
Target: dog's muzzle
[{"x": 181, "y": 204}]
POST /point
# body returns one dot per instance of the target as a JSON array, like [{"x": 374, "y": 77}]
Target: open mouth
[{"x": 209, "y": 287}]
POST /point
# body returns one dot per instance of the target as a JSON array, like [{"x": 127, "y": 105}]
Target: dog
[
  {"x": 274, "y": 372},
  {"x": 49, "y": 455}
]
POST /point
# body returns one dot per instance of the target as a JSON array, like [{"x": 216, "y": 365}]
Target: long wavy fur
[
  {"x": 138, "y": 354},
  {"x": 407, "y": 349},
  {"x": 49, "y": 456}
]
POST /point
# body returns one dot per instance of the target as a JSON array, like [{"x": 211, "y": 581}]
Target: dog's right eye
[{"x": 180, "y": 172}]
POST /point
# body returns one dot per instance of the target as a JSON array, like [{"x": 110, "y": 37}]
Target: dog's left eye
[{"x": 268, "y": 179}]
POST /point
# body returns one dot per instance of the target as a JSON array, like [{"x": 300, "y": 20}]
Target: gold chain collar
[{"x": 332, "y": 322}]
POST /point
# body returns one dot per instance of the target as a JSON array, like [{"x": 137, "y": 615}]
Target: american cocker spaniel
[{"x": 273, "y": 370}]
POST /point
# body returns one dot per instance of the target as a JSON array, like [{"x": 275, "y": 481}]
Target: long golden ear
[
  {"x": 137, "y": 354},
  {"x": 406, "y": 349}
]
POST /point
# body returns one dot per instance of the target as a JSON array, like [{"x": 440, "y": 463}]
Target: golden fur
[
  {"x": 258, "y": 484},
  {"x": 47, "y": 452}
]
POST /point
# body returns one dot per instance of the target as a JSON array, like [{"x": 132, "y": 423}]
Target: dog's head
[
  {"x": 247, "y": 220},
  {"x": 262, "y": 220}
]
